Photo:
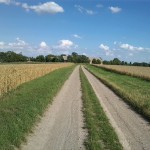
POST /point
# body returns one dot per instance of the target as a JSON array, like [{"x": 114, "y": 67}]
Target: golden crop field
[
  {"x": 12, "y": 75},
  {"x": 131, "y": 70}
]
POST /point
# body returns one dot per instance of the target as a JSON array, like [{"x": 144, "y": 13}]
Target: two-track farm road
[
  {"x": 61, "y": 126},
  {"x": 133, "y": 131}
]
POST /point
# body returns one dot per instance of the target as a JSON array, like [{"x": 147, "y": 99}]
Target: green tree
[
  {"x": 116, "y": 61},
  {"x": 40, "y": 58}
]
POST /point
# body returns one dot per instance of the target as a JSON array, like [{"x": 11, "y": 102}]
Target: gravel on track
[
  {"x": 61, "y": 128},
  {"x": 133, "y": 131}
]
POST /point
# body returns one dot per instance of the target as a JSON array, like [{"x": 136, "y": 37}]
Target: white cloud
[
  {"x": 43, "y": 45},
  {"x": 104, "y": 47},
  {"x": 84, "y": 10},
  {"x": 115, "y": 42},
  {"x": 115, "y": 9},
  {"x": 43, "y": 49},
  {"x": 8, "y": 2},
  {"x": 17, "y": 3},
  {"x": 77, "y": 36},
  {"x": 20, "y": 45},
  {"x": 48, "y": 7},
  {"x": 84, "y": 54},
  {"x": 5, "y": 1},
  {"x": 107, "y": 50},
  {"x": 109, "y": 53},
  {"x": 90, "y": 12},
  {"x": 130, "y": 47},
  {"x": 80, "y": 8},
  {"x": 17, "y": 46},
  {"x": 65, "y": 44},
  {"x": 2, "y": 43},
  {"x": 99, "y": 5}
]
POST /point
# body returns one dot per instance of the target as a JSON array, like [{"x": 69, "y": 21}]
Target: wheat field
[
  {"x": 138, "y": 71},
  {"x": 12, "y": 75}
]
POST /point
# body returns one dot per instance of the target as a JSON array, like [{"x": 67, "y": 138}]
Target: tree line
[
  {"x": 11, "y": 56},
  {"x": 116, "y": 61}
]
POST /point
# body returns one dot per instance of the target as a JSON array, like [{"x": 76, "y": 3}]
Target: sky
[{"x": 96, "y": 28}]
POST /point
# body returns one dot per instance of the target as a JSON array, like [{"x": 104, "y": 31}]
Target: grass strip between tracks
[
  {"x": 21, "y": 108},
  {"x": 134, "y": 91},
  {"x": 101, "y": 135}
]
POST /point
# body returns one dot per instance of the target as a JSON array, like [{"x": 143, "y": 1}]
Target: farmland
[
  {"x": 106, "y": 117},
  {"x": 12, "y": 75},
  {"x": 22, "y": 107},
  {"x": 133, "y": 90},
  {"x": 137, "y": 71}
]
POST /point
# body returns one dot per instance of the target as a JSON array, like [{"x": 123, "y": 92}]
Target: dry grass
[
  {"x": 13, "y": 75},
  {"x": 142, "y": 72}
]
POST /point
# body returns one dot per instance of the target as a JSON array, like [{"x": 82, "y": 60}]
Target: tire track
[
  {"x": 133, "y": 131},
  {"x": 61, "y": 126}
]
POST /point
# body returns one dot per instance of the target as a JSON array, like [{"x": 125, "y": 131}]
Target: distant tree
[
  {"x": 125, "y": 63},
  {"x": 105, "y": 62},
  {"x": 2, "y": 57},
  {"x": 116, "y": 61},
  {"x": 40, "y": 58},
  {"x": 74, "y": 57},
  {"x": 11, "y": 56},
  {"x": 48, "y": 58},
  {"x": 32, "y": 59},
  {"x": 98, "y": 61},
  {"x": 84, "y": 59},
  {"x": 70, "y": 58},
  {"x": 122, "y": 63}
]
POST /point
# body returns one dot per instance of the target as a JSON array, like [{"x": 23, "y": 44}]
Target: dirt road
[
  {"x": 132, "y": 129},
  {"x": 61, "y": 126}
]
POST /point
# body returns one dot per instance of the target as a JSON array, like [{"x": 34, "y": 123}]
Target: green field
[
  {"x": 101, "y": 135},
  {"x": 21, "y": 108},
  {"x": 133, "y": 90}
]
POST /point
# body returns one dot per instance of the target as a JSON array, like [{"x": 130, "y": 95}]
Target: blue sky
[{"x": 96, "y": 28}]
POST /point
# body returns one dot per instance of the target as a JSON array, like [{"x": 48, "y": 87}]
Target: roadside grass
[
  {"x": 135, "y": 91},
  {"x": 21, "y": 108},
  {"x": 101, "y": 135}
]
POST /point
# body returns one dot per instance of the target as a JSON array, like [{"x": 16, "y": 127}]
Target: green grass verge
[
  {"x": 101, "y": 135},
  {"x": 133, "y": 90},
  {"x": 21, "y": 108}
]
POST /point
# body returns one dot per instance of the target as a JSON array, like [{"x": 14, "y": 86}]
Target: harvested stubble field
[
  {"x": 12, "y": 75},
  {"x": 137, "y": 71}
]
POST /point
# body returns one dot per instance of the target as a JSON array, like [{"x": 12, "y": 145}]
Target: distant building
[{"x": 65, "y": 58}]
